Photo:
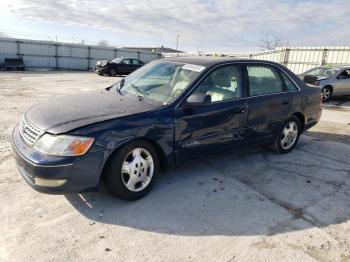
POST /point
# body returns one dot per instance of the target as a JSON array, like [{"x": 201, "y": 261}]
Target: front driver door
[
  {"x": 342, "y": 84},
  {"x": 126, "y": 66},
  {"x": 216, "y": 127}
]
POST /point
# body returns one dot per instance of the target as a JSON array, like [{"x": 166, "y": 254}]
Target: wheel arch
[
  {"x": 160, "y": 152},
  {"x": 329, "y": 85},
  {"x": 301, "y": 118}
]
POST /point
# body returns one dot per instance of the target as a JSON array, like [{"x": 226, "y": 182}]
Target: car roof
[
  {"x": 341, "y": 67},
  {"x": 208, "y": 61}
]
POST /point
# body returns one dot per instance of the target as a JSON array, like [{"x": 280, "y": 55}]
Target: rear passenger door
[
  {"x": 269, "y": 102},
  {"x": 136, "y": 64}
]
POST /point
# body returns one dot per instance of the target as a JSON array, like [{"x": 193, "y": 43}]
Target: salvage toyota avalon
[{"x": 166, "y": 113}]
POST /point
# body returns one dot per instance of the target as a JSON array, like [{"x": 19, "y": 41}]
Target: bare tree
[
  {"x": 102, "y": 43},
  {"x": 271, "y": 40}
]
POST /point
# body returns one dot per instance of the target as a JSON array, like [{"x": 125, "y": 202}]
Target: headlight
[{"x": 63, "y": 145}]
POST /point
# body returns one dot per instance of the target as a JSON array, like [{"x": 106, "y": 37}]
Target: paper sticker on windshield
[{"x": 191, "y": 67}]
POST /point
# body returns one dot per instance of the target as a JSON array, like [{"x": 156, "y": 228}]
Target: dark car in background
[
  {"x": 168, "y": 112},
  {"x": 118, "y": 66}
]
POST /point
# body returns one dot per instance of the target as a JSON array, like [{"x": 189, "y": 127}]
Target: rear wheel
[
  {"x": 112, "y": 72},
  {"x": 288, "y": 137},
  {"x": 131, "y": 172},
  {"x": 326, "y": 93}
]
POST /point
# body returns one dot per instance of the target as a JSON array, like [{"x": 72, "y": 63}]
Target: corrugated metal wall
[
  {"x": 297, "y": 59},
  {"x": 61, "y": 56}
]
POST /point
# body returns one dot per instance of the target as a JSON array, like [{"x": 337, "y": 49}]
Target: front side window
[
  {"x": 158, "y": 82},
  {"x": 345, "y": 74},
  {"x": 135, "y": 62},
  {"x": 224, "y": 83},
  {"x": 126, "y": 61},
  {"x": 263, "y": 80}
]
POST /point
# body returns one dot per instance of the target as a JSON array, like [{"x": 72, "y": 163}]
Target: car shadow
[
  {"x": 341, "y": 138},
  {"x": 255, "y": 192}
]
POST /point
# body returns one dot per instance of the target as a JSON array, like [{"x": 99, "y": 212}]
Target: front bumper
[
  {"x": 100, "y": 70},
  {"x": 56, "y": 174}
]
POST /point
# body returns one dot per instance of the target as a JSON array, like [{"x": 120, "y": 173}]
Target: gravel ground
[{"x": 248, "y": 206}]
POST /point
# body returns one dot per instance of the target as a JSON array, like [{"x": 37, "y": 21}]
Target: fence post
[
  {"x": 56, "y": 56},
  {"x": 138, "y": 55},
  {"x": 324, "y": 56},
  {"x": 18, "y": 48},
  {"x": 286, "y": 57},
  {"x": 115, "y": 53},
  {"x": 89, "y": 58}
]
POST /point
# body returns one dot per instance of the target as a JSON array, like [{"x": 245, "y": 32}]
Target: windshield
[
  {"x": 159, "y": 82},
  {"x": 330, "y": 72},
  {"x": 316, "y": 71},
  {"x": 117, "y": 60}
]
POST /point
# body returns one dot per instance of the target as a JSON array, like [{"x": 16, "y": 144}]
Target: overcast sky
[{"x": 203, "y": 25}]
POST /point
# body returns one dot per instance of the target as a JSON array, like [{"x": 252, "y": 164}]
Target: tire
[
  {"x": 138, "y": 176},
  {"x": 326, "y": 93},
  {"x": 112, "y": 72},
  {"x": 283, "y": 145}
]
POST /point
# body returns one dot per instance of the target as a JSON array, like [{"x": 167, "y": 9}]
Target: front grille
[{"x": 29, "y": 133}]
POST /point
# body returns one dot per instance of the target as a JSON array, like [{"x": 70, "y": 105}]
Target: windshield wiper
[
  {"x": 120, "y": 85},
  {"x": 140, "y": 95}
]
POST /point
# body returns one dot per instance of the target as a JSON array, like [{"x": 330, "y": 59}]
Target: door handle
[{"x": 238, "y": 110}]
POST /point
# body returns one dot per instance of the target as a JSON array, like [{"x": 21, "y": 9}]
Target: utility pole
[{"x": 177, "y": 41}]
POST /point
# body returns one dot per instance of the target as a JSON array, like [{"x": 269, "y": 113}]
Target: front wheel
[
  {"x": 287, "y": 138},
  {"x": 326, "y": 93},
  {"x": 112, "y": 72},
  {"x": 131, "y": 172}
]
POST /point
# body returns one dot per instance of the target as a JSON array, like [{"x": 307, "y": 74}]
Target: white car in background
[{"x": 334, "y": 82}]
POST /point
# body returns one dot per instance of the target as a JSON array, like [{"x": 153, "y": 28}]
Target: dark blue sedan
[{"x": 167, "y": 112}]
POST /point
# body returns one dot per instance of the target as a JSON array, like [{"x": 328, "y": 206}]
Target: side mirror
[{"x": 198, "y": 100}]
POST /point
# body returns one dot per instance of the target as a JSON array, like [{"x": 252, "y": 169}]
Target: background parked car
[
  {"x": 334, "y": 82},
  {"x": 310, "y": 76},
  {"x": 316, "y": 71},
  {"x": 118, "y": 66},
  {"x": 12, "y": 64}
]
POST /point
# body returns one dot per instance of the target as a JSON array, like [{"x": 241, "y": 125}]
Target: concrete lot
[{"x": 248, "y": 206}]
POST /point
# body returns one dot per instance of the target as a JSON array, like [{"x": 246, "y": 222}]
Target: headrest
[{"x": 222, "y": 79}]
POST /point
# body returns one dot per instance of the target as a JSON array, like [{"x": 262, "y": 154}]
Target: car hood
[{"x": 67, "y": 113}]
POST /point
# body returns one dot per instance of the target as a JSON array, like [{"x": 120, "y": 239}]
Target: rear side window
[
  {"x": 289, "y": 84},
  {"x": 263, "y": 80}
]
